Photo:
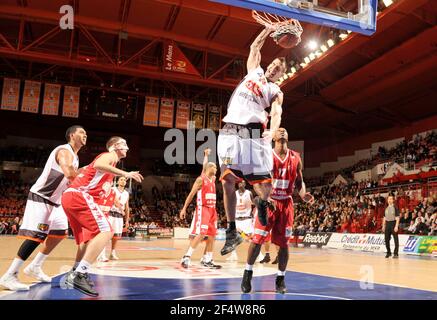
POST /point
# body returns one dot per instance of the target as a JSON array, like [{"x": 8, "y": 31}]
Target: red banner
[
  {"x": 31, "y": 93},
  {"x": 51, "y": 99},
  {"x": 11, "y": 94},
  {"x": 71, "y": 102},
  {"x": 151, "y": 108},
  {"x": 176, "y": 61},
  {"x": 214, "y": 117},
  {"x": 182, "y": 114},
  {"x": 166, "y": 112}
]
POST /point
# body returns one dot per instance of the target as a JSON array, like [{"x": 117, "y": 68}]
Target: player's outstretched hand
[
  {"x": 308, "y": 198},
  {"x": 207, "y": 152},
  {"x": 135, "y": 175}
]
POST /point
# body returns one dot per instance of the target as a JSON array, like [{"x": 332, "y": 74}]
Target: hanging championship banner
[
  {"x": 71, "y": 102},
  {"x": 31, "y": 96},
  {"x": 166, "y": 112},
  {"x": 11, "y": 94},
  {"x": 151, "y": 109},
  {"x": 214, "y": 117},
  {"x": 198, "y": 115},
  {"x": 182, "y": 114},
  {"x": 51, "y": 99},
  {"x": 176, "y": 61}
]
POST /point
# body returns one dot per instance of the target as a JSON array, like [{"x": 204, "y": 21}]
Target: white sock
[
  {"x": 39, "y": 260},
  {"x": 83, "y": 267},
  {"x": 190, "y": 251},
  {"x": 209, "y": 256},
  {"x": 281, "y": 273},
  {"x": 15, "y": 266},
  {"x": 249, "y": 267}
]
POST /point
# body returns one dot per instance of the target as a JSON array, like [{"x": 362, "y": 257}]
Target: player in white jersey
[
  {"x": 44, "y": 220},
  {"x": 117, "y": 213},
  {"x": 245, "y": 151}
]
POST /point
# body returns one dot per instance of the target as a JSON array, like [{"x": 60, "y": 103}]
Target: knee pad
[{"x": 26, "y": 249}]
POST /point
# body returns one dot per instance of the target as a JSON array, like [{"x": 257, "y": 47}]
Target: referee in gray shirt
[{"x": 390, "y": 225}]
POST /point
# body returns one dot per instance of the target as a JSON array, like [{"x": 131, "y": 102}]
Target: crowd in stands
[
  {"x": 419, "y": 149},
  {"x": 13, "y": 195},
  {"x": 29, "y": 156}
]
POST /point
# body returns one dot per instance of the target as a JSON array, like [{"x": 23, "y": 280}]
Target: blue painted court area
[{"x": 300, "y": 286}]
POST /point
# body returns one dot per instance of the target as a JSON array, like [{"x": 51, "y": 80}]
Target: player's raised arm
[
  {"x": 300, "y": 185},
  {"x": 104, "y": 163},
  {"x": 206, "y": 153},
  {"x": 254, "y": 59},
  {"x": 276, "y": 113},
  {"x": 196, "y": 187}
]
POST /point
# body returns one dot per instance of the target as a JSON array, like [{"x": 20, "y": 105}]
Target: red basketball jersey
[
  {"x": 96, "y": 183},
  {"x": 206, "y": 196},
  {"x": 106, "y": 202},
  {"x": 284, "y": 174}
]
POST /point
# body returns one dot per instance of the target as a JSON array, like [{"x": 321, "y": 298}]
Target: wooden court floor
[{"x": 409, "y": 272}]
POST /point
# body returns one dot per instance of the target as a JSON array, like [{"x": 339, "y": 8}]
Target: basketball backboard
[{"x": 362, "y": 21}]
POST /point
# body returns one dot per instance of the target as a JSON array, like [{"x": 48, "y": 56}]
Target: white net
[{"x": 281, "y": 24}]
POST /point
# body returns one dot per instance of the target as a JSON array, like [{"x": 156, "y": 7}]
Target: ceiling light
[
  {"x": 331, "y": 42},
  {"x": 293, "y": 69},
  {"x": 387, "y": 2},
  {"x": 323, "y": 48},
  {"x": 312, "y": 56},
  {"x": 312, "y": 45},
  {"x": 307, "y": 60},
  {"x": 343, "y": 36}
]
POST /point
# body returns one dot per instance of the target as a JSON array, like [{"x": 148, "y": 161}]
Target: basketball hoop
[{"x": 282, "y": 25}]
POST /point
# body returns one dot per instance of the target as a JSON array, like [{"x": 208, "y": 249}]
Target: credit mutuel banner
[{"x": 176, "y": 61}]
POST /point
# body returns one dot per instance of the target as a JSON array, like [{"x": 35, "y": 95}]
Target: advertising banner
[
  {"x": 198, "y": 115},
  {"x": 316, "y": 238},
  {"x": 214, "y": 117},
  {"x": 166, "y": 113}
]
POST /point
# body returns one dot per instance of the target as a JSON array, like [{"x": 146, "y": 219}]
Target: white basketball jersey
[
  {"x": 244, "y": 204},
  {"x": 254, "y": 94},
  {"x": 122, "y": 197},
  {"x": 52, "y": 182}
]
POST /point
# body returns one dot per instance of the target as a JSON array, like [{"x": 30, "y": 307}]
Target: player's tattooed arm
[
  {"x": 254, "y": 59},
  {"x": 196, "y": 187},
  {"x": 300, "y": 186},
  {"x": 65, "y": 160}
]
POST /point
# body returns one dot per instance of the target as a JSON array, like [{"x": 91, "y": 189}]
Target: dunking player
[
  {"x": 44, "y": 220},
  {"x": 242, "y": 152},
  {"x": 243, "y": 214},
  {"x": 287, "y": 173},
  {"x": 90, "y": 227},
  {"x": 204, "y": 223},
  {"x": 117, "y": 213}
]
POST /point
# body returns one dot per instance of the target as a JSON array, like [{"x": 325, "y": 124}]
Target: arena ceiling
[{"x": 361, "y": 84}]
